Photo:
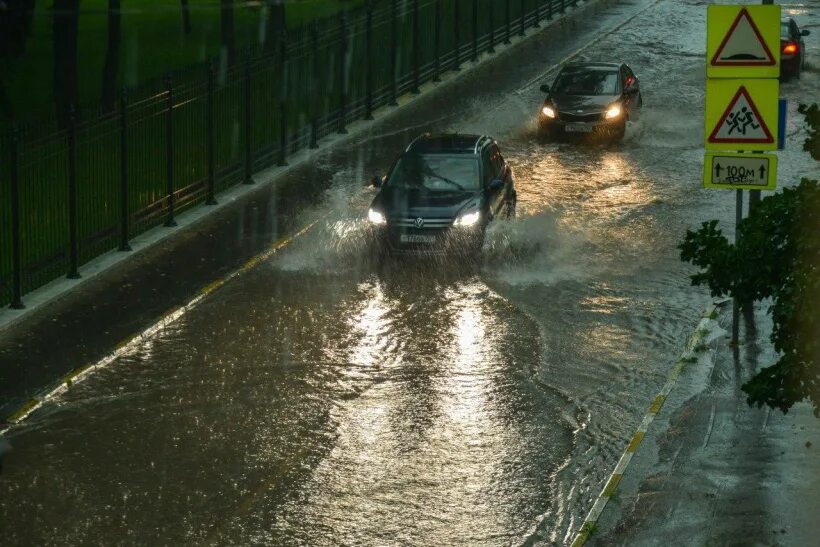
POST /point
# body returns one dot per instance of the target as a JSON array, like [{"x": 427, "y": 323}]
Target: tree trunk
[
  {"x": 15, "y": 28},
  {"x": 276, "y": 23},
  {"x": 112, "y": 57},
  {"x": 228, "y": 36},
  {"x": 186, "y": 17},
  {"x": 66, "y": 15}
]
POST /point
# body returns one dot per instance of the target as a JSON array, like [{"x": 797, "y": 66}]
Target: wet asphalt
[{"x": 325, "y": 399}]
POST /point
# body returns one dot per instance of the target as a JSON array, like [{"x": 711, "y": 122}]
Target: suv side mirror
[
  {"x": 804, "y": 32},
  {"x": 495, "y": 185},
  {"x": 376, "y": 182},
  {"x": 545, "y": 89}
]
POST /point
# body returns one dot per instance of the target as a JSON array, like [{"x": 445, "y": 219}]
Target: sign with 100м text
[{"x": 729, "y": 170}]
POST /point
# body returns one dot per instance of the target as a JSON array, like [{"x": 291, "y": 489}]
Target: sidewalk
[{"x": 714, "y": 471}]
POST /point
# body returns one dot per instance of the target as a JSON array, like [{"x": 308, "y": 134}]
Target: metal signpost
[{"x": 742, "y": 111}]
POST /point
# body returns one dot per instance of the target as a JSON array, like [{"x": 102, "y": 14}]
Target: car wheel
[
  {"x": 511, "y": 206},
  {"x": 546, "y": 132},
  {"x": 617, "y": 133},
  {"x": 379, "y": 251}
]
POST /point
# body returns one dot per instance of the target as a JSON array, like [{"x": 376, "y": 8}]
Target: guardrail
[{"x": 72, "y": 191}]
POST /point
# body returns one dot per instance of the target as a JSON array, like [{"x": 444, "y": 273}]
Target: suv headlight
[
  {"x": 468, "y": 219},
  {"x": 375, "y": 217},
  {"x": 547, "y": 111}
]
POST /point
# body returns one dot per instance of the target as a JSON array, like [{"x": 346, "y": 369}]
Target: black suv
[{"x": 440, "y": 194}]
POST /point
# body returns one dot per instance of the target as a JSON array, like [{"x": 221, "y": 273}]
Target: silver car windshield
[
  {"x": 587, "y": 82},
  {"x": 436, "y": 173}
]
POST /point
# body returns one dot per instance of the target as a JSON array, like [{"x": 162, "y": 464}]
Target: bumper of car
[
  {"x": 581, "y": 127},
  {"x": 430, "y": 242},
  {"x": 789, "y": 64}
]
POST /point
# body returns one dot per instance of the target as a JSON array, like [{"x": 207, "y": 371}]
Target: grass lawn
[{"x": 153, "y": 43}]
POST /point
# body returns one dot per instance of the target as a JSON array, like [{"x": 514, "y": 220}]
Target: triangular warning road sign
[
  {"x": 743, "y": 45},
  {"x": 741, "y": 122}
]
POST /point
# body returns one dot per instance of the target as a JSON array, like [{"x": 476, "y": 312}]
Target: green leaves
[
  {"x": 812, "y": 114},
  {"x": 777, "y": 256}
]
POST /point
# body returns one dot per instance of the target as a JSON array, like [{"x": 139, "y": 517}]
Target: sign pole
[{"x": 735, "y": 301}]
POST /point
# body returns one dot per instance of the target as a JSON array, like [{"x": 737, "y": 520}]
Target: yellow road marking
[
  {"x": 656, "y": 405},
  {"x": 636, "y": 442}
]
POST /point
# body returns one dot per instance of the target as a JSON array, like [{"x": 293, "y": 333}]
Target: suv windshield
[
  {"x": 587, "y": 82},
  {"x": 435, "y": 172}
]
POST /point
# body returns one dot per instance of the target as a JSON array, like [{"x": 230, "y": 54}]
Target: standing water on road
[{"x": 326, "y": 398}]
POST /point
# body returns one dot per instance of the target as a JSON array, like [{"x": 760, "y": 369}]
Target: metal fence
[{"x": 69, "y": 194}]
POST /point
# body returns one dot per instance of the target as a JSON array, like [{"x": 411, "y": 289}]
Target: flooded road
[{"x": 324, "y": 399}]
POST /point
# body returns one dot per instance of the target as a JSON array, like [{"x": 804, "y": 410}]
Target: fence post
[
  {"x": 491, "y": 49},
  {"x": 456, "y": 27},
  {"x": 283, "y": 100},
  {"x": 537, "y": 22},
  {"x": 211, "y": 199},
  {"x": 393, "y": 53},
  {"x": 416, "y": 46},
  {"x": 169, "y": 152},
  {"x": 507, "y": 30},
  {"x": 342, "y": 73},
  {"x": 474, "y": 57},
  {"x": 368, "y": 61},
  {"x": 314, "y": 122},
  {"x": 437, "y": 43},
  {"x": 549, "y": 9},
  {"x": 124, "y": 215},
  {"x": 16, "y": 258},
  {"x": 73, "y": 224},
  {"x": 523, "y": 20},
  {"x": 247, "y": 177},
  {"x": 563, "y": 6}
]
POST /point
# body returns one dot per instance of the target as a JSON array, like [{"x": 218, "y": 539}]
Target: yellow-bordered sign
[
  {"x": 729, "y": 170},
  {"x": 741, "y": 114},
  {"x": 743, "y": 41}
]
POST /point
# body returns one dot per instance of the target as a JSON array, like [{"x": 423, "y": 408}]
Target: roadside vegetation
[
  {"x": 777, "y": 257},
  {"x": 59, "y": 52}
]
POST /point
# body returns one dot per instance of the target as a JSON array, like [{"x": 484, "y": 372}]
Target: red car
[{"x": 792, "y": 49}]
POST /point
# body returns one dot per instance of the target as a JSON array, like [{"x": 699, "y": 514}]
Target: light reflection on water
[{"x": 322, "y": 400}]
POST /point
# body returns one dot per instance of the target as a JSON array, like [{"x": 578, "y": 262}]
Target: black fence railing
[{"x": 71, "y": 193}]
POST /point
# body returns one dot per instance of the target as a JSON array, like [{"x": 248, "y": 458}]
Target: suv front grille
[
  {"x": 571, "y": 117},
  {"x": 429, "y": 223}
]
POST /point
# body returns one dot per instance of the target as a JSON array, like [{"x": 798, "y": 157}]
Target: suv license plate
[
  {"x": 578, "y": 128},
  {"x": 416, "y": 238}
]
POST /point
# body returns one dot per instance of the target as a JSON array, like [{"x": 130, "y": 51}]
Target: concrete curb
[{"x": 696, "y": 345}]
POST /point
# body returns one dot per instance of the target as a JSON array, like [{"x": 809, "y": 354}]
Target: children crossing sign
[
  {"x": 741, "y": 122},
  {"x": 743, "y": 41},
  {"x": 741, "y": 114}
]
